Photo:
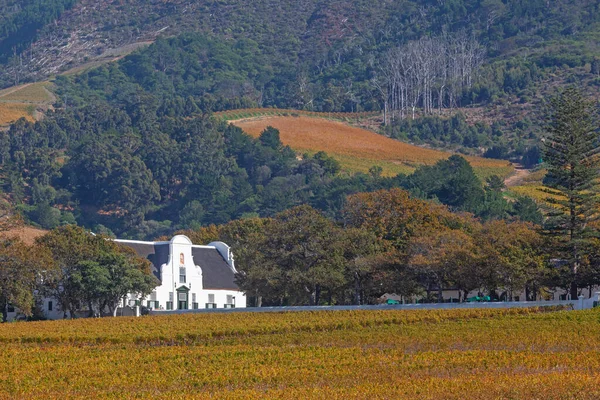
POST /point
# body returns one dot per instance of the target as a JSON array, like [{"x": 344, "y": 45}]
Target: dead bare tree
[{"x": 425, "y": 73}]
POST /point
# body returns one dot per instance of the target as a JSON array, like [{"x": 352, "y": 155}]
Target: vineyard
[
  {"x": 236, "y": 115},
  {"x": 452, "y": 354},
  {"x": 24, "y": 102},
  {"x": 11, "y": 112},
  {"x": 358, "y": 149}
]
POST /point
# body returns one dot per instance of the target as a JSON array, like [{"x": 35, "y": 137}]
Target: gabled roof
[
  {"x": 217, "y": 274},
  {"x": 157, "y": 253}
]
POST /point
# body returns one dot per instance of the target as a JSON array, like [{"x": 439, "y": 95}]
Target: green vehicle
[{"x": 478, "y": 299}]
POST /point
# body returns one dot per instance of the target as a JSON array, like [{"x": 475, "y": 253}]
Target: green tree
[
  {"x": 571, "y": 154},
  {"x": 306, "y": 247},
  {"x": 22, "y": 269},
  {"x": 93, "y": 271},
  {"x": 270, "y": 138},
  {"x": 115, "y": 274}
]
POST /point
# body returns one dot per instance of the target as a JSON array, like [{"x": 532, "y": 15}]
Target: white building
[{"x": 192, "y": 276}]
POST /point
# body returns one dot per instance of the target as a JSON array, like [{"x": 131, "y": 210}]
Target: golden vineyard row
[{"x": 454, "y": 354}]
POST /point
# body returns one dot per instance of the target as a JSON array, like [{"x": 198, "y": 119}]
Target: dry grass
[
  {"x": 359, "y": 149},
  {"x": 11, "y": 112},
  {"x": 26, "y": 233}
]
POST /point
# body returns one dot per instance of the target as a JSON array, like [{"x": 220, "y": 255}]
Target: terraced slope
[{"x": 359, "y": 149}]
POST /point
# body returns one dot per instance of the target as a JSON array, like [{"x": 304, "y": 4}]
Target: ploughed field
[
  {"x": 359, "y": 149},
  {"x": 433, "y": 354}
]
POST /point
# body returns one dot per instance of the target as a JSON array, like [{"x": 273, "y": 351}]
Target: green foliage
[
  {"x": 571, "y": 155},
  {"x": 441, "y": 131},
  {"x": 22, "y": 269},
  {"x": 93, "y": 272},
  {"x": 451, "y": 181}
]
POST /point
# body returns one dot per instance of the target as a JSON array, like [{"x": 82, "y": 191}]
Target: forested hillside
[
  {"x": 498, "y": 58},
  {"x": 132, "y": 147}
]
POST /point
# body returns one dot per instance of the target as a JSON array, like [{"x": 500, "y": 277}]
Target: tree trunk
[
  {"x": 357, "y": 290},
  {"x": 317, "y": 294},
  {"x": 573, "y": 291},
  {"x": 91, "y": 313},
  {"x": 5, "y": 312},
  {"x": 258, "y": 301}
]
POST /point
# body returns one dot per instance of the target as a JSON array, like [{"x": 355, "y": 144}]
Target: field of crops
[
  {"x": 23, "y": 101},
  {"x": 32, "y": 93},
  {"x": 451, "y": 354},
  {"x": 11, "y": 112},
  {"x": 359, "y": 149}
]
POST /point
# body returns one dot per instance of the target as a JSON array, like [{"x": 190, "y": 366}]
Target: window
[
  {"x": 154, "y": 305},
  {"x": 50, "y": 306},
  {"x": 211, "y": 305},
  {"x": 171, "y": 296},
  {"x": 195, "y": 306},
  {"x": 153, "y": 296},
  {"x": 182, "y": 274},
  {"x": 229, "y": 299},
  {"x": 181, "y": 296},
  {"x": 193, "y": 297},
  {"x": 211, "y": 298},
  {"x": 169, "y": 305}
]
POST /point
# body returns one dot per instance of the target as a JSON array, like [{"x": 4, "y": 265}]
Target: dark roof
[
  {"x": 158, "y": 254},
  {"x": 216, "y": 273}
]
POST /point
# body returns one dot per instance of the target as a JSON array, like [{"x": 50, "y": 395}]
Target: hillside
[
  {"x": 358, "y": 149},
  {"x": 517, "y": 354},
  {"x": 83, "y": 29},
  {"x": 129, "y": 144}
]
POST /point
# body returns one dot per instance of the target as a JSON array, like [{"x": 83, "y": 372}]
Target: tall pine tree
[{"x": 571, "y": 154}]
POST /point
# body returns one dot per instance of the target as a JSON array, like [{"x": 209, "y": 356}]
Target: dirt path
[{"x": 519, "y": 175}]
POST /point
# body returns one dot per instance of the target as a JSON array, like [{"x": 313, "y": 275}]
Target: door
[{"x": 182, "y": 298}]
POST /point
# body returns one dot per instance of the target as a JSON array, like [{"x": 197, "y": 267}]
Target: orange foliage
[{"x": 394, "y": 215}]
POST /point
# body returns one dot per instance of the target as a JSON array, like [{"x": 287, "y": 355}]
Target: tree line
[
  {"x": 387, "y": 242},
  {"x": 75, "y": 269}
]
